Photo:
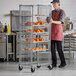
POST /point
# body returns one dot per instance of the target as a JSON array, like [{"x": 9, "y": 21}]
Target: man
[{"x": 57, "y": 20}]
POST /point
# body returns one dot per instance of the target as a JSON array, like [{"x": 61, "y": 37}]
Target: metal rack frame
[
  {"x": 32, "y": 10},
  {"x": 71, "y": 44}
]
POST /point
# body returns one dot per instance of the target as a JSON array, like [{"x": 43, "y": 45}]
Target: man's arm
[
  {"x": 61, "y": 18},
  {"x": 55, "y": 22}
]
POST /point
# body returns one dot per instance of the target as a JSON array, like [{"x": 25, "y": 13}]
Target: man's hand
[{"x": 51, "y": 20}]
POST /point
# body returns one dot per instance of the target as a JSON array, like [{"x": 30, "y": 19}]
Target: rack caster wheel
[
  {"x": 32, "y": 70},
  {"x": 38, "y": 66},
  {"x": 20, "y": 68},
  {"x": 50, "y": 67}
]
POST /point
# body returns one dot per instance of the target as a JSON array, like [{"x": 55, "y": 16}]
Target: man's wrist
[{"x": 53, "y": 21}]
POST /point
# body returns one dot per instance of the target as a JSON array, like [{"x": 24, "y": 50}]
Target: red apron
[{"x": 56, "y": 29}]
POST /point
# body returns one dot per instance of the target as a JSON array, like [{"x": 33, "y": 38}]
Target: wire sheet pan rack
[{"x": 33, "y": 36}]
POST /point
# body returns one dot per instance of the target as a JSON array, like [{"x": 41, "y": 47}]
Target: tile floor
[{"x": 11, "y": 69}]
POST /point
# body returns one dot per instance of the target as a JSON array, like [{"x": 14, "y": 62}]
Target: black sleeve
[
  {"x": 50, "y": 16},
  {"x": 62, "y": 16}
]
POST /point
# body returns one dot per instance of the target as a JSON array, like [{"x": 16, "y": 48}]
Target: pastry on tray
[{"x": 28, "y": 23}]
